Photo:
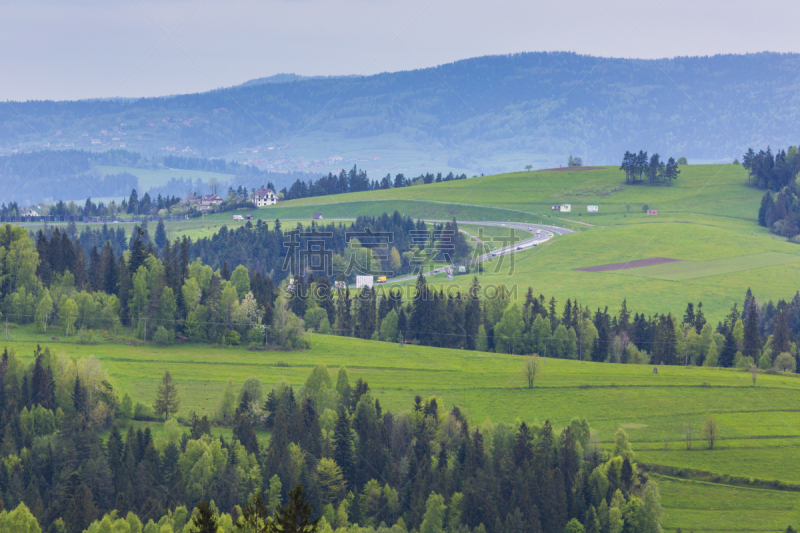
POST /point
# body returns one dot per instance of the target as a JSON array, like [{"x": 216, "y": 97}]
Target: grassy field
[
  {"x": 685, "y": 270},
  {"x": 759, "y": 426},
  {"x": 707, "y": 220}
]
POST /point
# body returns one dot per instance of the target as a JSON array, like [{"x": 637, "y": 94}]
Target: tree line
[
  {"x": 162, "y": 289},
  {"x": 424, "y": 468},
  {"x": 356, "y": 180},
  {"x": 638, "y": 168},
  {"x": 779, "y": 210},
  {"x": 771, "y": 172},
  {"x": 169, "y": 293}
]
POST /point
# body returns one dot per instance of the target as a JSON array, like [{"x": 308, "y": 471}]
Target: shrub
[
  {"x": 86, "y": 336},
  {"x": 163, "y": 337},
  {"x": 255, "y": 335},
  {"x": 142, "y": 411},
  {"x": 785, "y": 362},
  {"x": 645, "y": 207},
  {"x": 232, "y": 338}
]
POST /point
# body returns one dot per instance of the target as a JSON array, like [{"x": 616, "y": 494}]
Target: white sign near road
[
  {"x": 364, "y": 281},
  {"x": 592, "y": 208}
]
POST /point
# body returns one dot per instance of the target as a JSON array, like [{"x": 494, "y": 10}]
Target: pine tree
[
  {"x": 752, "y": 338},
  {"x": 343, "y": 447},
  {"x": 728, "y": 352},
  {"x": 523, "y": 450},
  {"x": 699, "y": 318},
  {"x": 137, "y": 252},
  {"x": 688, "y": 316},
  {"x": 42, "y": 386},
  {"x": 80, "y": 397},
  {"x": 81, "y": 509},
  {"x": 624, "y": 317},
  {"x": 205, "y": 521},
  {"x": 295, "y": 516},
  {"x": 161, "y": 235},
  {"x": 243, "y": 429},
  {"x": 255, "y": 516},
  {"x": 365, "y": 314},
  {"x": 167, "y": 401},
  {"x": 108, "y": 262},
  {"x": 781, "y": 334},
  {"x": 95, "y": 269},
  {"x": 421, "y": 312}
]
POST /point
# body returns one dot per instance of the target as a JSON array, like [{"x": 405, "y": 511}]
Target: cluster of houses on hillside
[{"x": 263, "y": 197}]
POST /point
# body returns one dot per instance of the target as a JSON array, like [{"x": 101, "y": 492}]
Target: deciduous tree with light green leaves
[
  {"x": 433, "y": 520},
  {"x": 508, "y": 334},
  {"x": 139, "y": 297},
  {"x": 68, "y": 313},
  {"x": 43, "y": 311},
  {"x": 199, "y": 465},
  {"x": 622, "y": 447},
  {"x": 166, "y": 309},
  {"x": 20, "y": 520},
  {"x": 240, "y": 279},
  {"x": 274, "y": 493},
  {"x": 227, "y": 404}
]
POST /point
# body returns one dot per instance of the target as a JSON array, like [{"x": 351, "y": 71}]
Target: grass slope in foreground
[{"x": 758, "y": 425}]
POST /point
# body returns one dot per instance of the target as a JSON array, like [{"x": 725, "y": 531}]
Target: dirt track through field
[{"x": 630, "y": 264}]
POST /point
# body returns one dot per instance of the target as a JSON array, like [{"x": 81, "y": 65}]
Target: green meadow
[
  {"x": 707, "y": 219},
  {"x": 759, "y": 425}
]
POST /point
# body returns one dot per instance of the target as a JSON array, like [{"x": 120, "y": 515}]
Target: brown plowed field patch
[{"x": 630, "y": 264}]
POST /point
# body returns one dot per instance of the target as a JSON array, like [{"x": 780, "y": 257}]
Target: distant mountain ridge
[
  {"x": 541, "y": 106},
  {"x": 285, "y": 78}
]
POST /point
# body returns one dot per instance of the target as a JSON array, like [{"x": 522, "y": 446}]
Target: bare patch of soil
[{"x": 630, "y": 264}]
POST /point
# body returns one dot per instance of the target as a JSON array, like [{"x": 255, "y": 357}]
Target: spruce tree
[
  {"x": 167, "y": 401},
  {"x": 752, "y": 338},
  {"x": 295, "y": 516},
  {"x": 205, "y": 521},
  {"x": 699, "y": 318},
  {"x": 421, "y": 312},
  {"x": 243, "y": 429},
  {"x": 728, "y": 352},
  {"x": 343, "y": 447},
  {"x": 161, "y": 235},
  {"x": 108, "y": 262},
  {"x": 137, "y": 252},
  {"x": 95, "y": 269}
]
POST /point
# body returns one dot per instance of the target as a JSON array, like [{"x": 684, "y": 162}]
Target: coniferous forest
[{"x": 68, "y": 468}]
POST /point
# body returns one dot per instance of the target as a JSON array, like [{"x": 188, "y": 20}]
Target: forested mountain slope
[{"x": 546, "y": 105}]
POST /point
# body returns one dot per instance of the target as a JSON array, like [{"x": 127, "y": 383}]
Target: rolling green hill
[
  {"x": 758, "y": 425},
  {"x": 707, "y": 220}
]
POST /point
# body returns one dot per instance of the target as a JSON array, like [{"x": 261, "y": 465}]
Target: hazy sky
[{"x": 69, "y": 49}]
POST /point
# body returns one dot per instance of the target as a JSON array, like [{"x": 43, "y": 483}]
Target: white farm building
[{"x": 264, "y": 197}]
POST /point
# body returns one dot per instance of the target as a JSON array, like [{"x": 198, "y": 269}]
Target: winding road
[{"x": 546, "y": 233}]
